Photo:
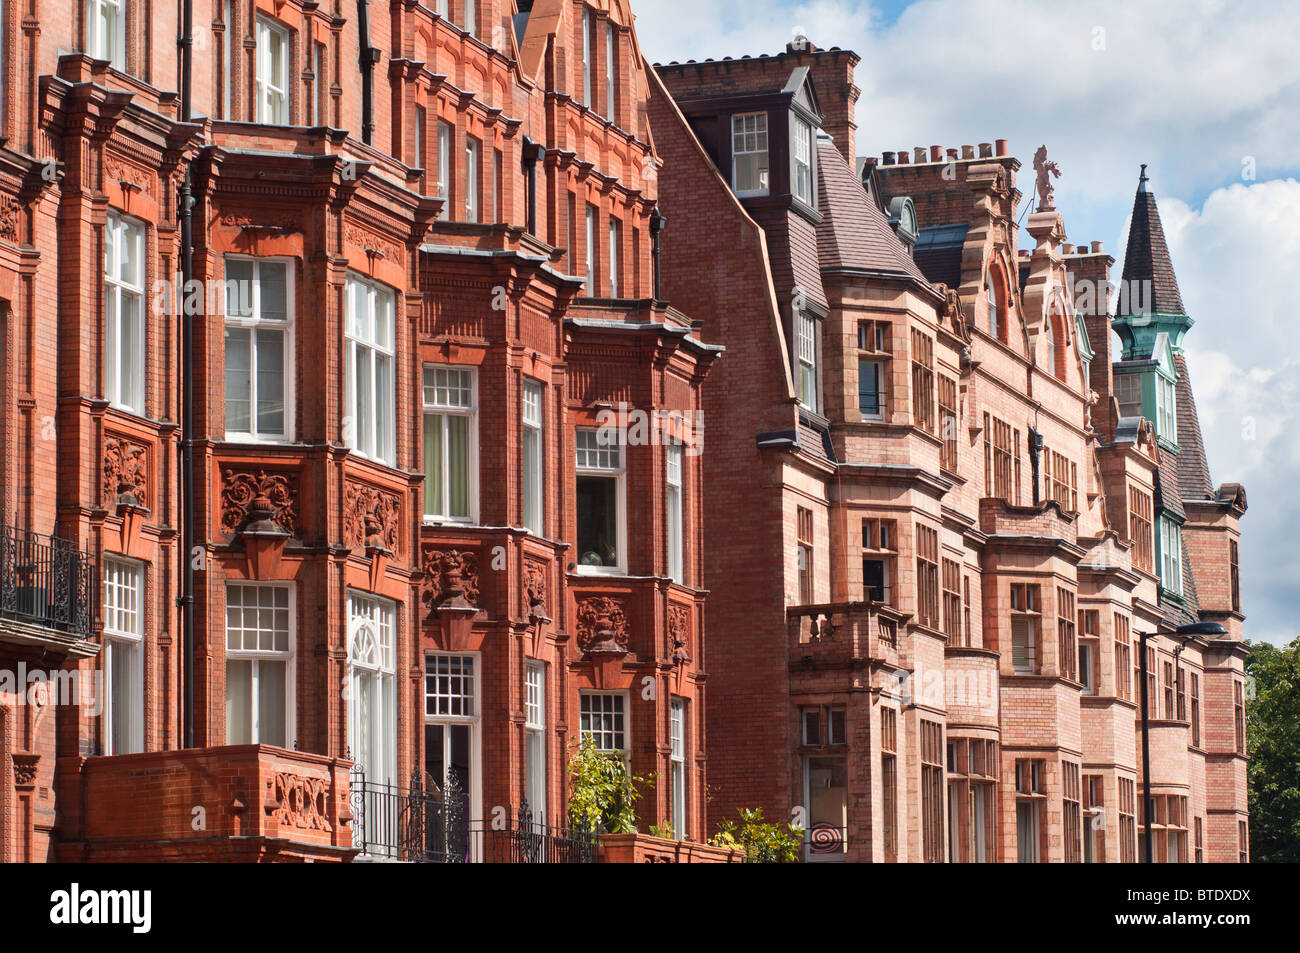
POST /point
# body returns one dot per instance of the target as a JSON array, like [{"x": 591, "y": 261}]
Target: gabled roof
[
  {"x": 854, "y": 233},
  {"x": 1193, "y": 468},
  {"x": 1147, "y": 257}
]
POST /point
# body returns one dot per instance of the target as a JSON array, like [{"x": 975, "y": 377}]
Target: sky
[{"x": 1206, "y": 92}]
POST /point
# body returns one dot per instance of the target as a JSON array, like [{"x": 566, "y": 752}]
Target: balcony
[
  {"x": 422, "y": 824},
  {"x": 46, "y": 583}
]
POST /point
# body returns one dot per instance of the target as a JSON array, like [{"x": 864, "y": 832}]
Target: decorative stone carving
[
  {"x": 125, "y": 473},
  {"x": 243, "y": 492},
  {"x": 9, "y": 211},
  {"x": 535, "y": 590},
  {"x": 127, "y": 175},
  {"x": 25, "y": 768},
  {"x": 602, "y": 625},
  {"x": 300, "y": 802},
  {"x": 679, "y": 633},
  {"x": 449, "y": 573},
  {"x": 371, "y": 517},
  {"x": 1046, "y": 169},
  {"x": 372, "y": 243}
]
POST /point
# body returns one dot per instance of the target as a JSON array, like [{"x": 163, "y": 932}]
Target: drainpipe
[
  {"x": 369, "y": 57},
  {"x": 658, "y": 222},
  {"x": 533, "y": 153},
  {"x": 1035, "y": 453},
  {"x": 187, "y": 393}
]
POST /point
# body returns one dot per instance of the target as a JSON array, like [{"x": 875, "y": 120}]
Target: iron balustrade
[
  {"x": 424, "y": 824},
  {"x": 46, "y": 581}
]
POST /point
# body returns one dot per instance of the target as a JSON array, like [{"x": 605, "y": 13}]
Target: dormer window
[
  {"x": 1166, "y": 409},
  {"x": 749, "y": 167},
  {"x": 806, "y": 326},
  {"x": 803, "y": 184}
]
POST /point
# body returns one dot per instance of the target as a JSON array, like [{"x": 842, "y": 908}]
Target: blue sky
[{"x": 1207, "y": 92}]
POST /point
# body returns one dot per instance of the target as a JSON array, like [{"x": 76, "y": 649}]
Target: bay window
[
  {"x": 749, "y": 162},
  {"x": 369, "y": 351},
  {"x": 450, "y": 443},
  {"x": 272, "y": 73},
  {"x": 123, "y": 614},
  {"x": 1171, "y": 555},
  {"x": 259, "y": 348},
  {"x": 124, "y": 325},
  {"x": 259, "y": 664},
  {"x": 601, "y": 501}
]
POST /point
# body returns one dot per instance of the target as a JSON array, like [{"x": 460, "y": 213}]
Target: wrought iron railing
[
  {"x": 46, "y": 581},
  {"x": 424, "y": 824},
  {"x": 528, "y": 841}
]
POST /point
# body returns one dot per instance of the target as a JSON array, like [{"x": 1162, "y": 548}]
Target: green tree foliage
[
  {"x": 603, "y": 791},
  {"x": 762, "y": 843},
  {"x": 1273, "y": 743}
]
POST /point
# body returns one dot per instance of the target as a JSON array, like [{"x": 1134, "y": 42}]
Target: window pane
[
  {"x": 271, "y": 703},
  {"x": 272, "y": 287},
  {"x": 270, "y": 382},
  {"x": 132, "y": 377},
  {"x": 433, "y": 454},
  {"x": 458, "y": 466},
  {"x": 239, "y": 702},
  {"x": 238, "y": 379},
  {"x": 239, "y": 287},
  {"x": 597, "y": 521}
]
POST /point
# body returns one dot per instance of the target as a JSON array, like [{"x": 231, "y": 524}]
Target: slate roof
[
  {"x": 938, "y": 253},
  {"x": 1147, "y": 257},
  {"x": 854, "y": 233},
  {"x": 1193, "y": 469}
]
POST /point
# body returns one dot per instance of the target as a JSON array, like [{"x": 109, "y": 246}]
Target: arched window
[
  {"x": 372, "y": 708},
  {"x": 995, "y": 310}
]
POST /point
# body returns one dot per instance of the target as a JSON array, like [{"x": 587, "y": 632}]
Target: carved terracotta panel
[{"x": 241, "y": 489}]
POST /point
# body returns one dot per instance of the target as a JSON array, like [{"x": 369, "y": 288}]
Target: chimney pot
[
  {"x": 968, "y": 152},
  {"x": 918, "y": 154},
  {"x": 986, "y": 150},
  {"x": 1002, "y": 147},
  {"x": 936, "y": 153},
  {"x": 886, "y": 158},
  {"x": 1067, "y": 249},
  {"x": 952, "y": 154},
  {"x": 1097, "y": 248},
  {"x": 1024, "y": 252}
]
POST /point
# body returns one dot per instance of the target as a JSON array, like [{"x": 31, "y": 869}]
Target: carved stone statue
[{"x": 1046, "y": 169}]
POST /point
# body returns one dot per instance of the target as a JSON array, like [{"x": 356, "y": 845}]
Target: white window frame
[
  {"x": 675, "y": 511},
  {"x": 1030, "y": 664},
  {"x": 995, "y": 314},
  {"x": 256, "y": 656},
  {"x": 752, "y": 141},
  {"x": 110, "y": 44},
  {"x": 535, "y": 766},
  {"x": 586, "y": 56},
  {"x": 611, "y": 81},
  {"x": 1088, "y": 672},
  {"x": 677, "y": 709},
  {"x": 803, "y": 168},
  {"x": 123, "y": 636},
  {"x": 419, "y": 117},
  {"x": 879, "y": 365},
  {"x": 591, "y": 250},
  {"x": 372, "y": 657},
  {"x": 255, "y": 323},
  {"x": 617, "y": 452},
  {"x": 1171, "y": 555},
  {"x": 807, "y": 372},
  {"x": 532, "y": 423},
  {"x": 472, "y": 720},
  {"x": 272, "y": 91},
  {"x": 470, "y": 15},
  {"x": 227, "y": 57},
  {"x": 445, "y": 136},
  {"x": 445, "y": 387},
  {"x": 372, "y": 339},
  {"x": 473, "y": 163},
  {"x": 615, "y": 240},
  {"x": 1166, "y": 409},
  {"x": 613, "y": 730},
  {"x": 124, "y": 395},
  {"x": 1128, "y": 392}
]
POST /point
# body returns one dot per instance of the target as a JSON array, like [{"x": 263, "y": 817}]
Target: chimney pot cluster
[{"x": 920, "y": 154}]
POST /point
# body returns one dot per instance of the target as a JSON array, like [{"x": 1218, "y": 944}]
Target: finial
[{"x": 1142, "y": 179}]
